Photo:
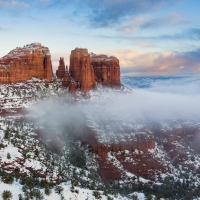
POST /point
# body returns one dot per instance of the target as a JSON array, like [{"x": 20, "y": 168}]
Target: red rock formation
[
  {"x": 66, "y": 79},
  {"x": 22, "y": 63},
  {"x": 144, "y": 164},
  {"x": 108, "y": 171},
  {"x": 60, "y": 73},
  {"x": 73, "y": 86},
  {"x": 106, "y": 69},
  {"x": 86, "y": 68},
  {"x": 140, "y": 141},
  {"x": 80, "y": 69}
]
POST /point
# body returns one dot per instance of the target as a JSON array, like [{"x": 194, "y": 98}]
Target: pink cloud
[{"x": 156, "y": 63}]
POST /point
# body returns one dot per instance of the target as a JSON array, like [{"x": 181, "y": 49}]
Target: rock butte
[
  {"x": 84, "y": 72},
  {"x": 23, "y": 62},
  {"x": 106, "y": 69},
  {"x": 87, "y": 69}
]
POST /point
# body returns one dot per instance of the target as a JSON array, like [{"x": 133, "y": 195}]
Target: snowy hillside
[{"x": 117, "y": 144}]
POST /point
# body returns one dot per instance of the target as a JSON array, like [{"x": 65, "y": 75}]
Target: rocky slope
[{"x": 124, "y": 154}]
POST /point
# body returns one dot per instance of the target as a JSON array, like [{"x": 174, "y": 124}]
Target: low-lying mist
[{"x": 117, "y": 109}]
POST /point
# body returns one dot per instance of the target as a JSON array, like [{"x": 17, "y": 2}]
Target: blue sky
[{"x": 150, "y": 37}]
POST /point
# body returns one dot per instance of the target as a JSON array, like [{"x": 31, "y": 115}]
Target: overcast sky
[{"x": 150, "y": 37}]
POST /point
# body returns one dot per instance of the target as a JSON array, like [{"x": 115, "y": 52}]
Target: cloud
[
  {"x": 137, "y": 63},
  {"x": 13, "y": 4},
  {"x": 133, "y": 25},
  {"x": 144, "y": 44},
  {"x": 185, "y": 34},
  {"x": 192, "y": 34},
  {"x": 170, "y": 19},
  {"x": 140, "y": 63},
  {"x": 113, "y": 111},
  {"x": 110, "y": 12}
]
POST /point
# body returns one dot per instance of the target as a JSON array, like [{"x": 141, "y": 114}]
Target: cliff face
[
  {"x": 21, "y": 63},
  {"x": 81, "y": 70},
  {"x": 87, "y": 69},
  {"x": 142, "y": 142},
  {"x": 106, "y": 69}
]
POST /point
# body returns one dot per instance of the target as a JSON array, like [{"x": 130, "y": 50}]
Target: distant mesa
[
  {"x": 84, "y": 72},
  {"x": 23, "y": 62},
  {"x": 87, "y": 69}
]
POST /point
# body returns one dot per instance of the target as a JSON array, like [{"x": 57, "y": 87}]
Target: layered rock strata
[
  {"x": 23, "y": 62},
  {"x": 81, "y": 70},
  {"x": 87, "y": 69},
  {"x": 106, "y": 69},
  {"x": 142, "y": 142}
]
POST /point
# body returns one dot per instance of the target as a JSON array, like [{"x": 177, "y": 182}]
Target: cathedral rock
[
  {"x": 23, "y": 62},
  {"x": 60, "y": 73},
  {"x": 87, "y": 69},
  {"x": 81, "y": 70},
  {"x": 106, "y": 69}
]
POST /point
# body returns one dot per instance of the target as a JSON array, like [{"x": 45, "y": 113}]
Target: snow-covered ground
[
  {"x": 67, "y": 194},
  {"x": 50, "y": 108}
]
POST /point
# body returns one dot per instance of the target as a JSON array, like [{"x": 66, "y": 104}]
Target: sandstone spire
[
  {"x": 61, "y": 68},
  {"x": 81, "y": 70},
  {"x": 87, "y": 69}
]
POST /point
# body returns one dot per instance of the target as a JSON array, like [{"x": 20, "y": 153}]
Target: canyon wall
[
  {"x": 23, "y": 62},
  {"x": 142, "y": 142}
]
